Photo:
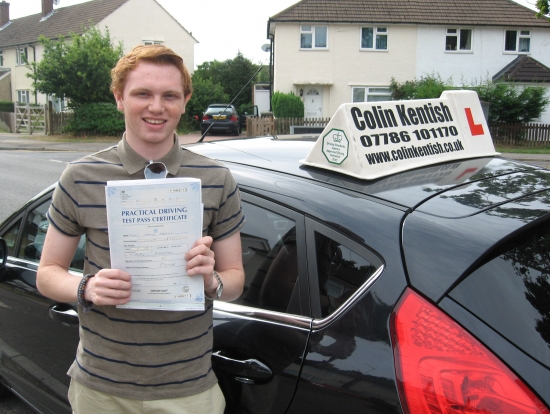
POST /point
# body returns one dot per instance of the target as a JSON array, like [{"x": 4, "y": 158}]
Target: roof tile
[
  {"x": 456, "y": 12},
  {"x": 524, "y": 69},
  {"x": 63, "y": 21}
]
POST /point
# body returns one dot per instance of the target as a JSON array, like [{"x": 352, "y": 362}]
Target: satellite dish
[
  {"x": 56, "y": 2},
  {"x": 265, "y": 48}
]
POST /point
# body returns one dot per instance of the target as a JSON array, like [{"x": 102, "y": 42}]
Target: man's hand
[
  {"x": 225, "y": 256},
  {"x": 201, "y": 260},
  {"x": 109, "y": 287}
]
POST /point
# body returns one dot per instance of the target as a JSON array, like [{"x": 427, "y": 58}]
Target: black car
[
  {"x": 221, "y": 118},
  {"x": 425, "y": 291}
]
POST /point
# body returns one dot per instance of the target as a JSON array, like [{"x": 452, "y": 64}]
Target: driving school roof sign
[{"x": 373, "y": 139}]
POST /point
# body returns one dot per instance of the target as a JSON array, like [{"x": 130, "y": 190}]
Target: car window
[
  {"x": 269, "y": 258},
  {"x": 34, "y": 233},
  {"x": 340, "y": 270},
  {"x": 10, "y": 236},
  {"x": 218, "y": 110}
]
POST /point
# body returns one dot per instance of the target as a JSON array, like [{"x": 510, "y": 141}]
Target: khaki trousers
[{"x": 86, "y": 401}]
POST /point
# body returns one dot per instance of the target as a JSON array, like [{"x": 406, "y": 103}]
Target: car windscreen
[{"x": 219, "y": 110}]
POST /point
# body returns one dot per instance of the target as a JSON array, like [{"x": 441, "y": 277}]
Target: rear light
[
  {"x": 205, "y": 118},
  {"x": 234, "y": 118},
  {"x": 442, "y": 369}
]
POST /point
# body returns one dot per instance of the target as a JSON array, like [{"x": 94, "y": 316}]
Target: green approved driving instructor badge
[
  {"x": 369, "y": 140},
  {"x": 335, "y": 146}
]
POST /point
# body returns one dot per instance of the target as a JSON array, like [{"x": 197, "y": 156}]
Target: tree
[
  {"x": 543, "y": 7},
  {"x": 232, "y": 75},
  {"x": 204, "y": 93},
  {"x": 77, "y": 68}
]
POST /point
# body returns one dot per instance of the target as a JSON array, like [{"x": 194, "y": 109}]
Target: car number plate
[{"x": 218, "y": 117}]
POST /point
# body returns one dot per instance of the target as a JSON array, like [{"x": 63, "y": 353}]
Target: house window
[
  {"x": 370, "y": 94},
  {"x": 313, "y": 37},
  {"x": 23, "y": 96},
  {"x": 21, "y": 56},
  {"x": 152, "y": 42},
  {"x": 517, "y": 41},
  {"x": 374, "y": 38},
  {"x": 458, "y": 39},
  {"x": 1, "y": 58}
]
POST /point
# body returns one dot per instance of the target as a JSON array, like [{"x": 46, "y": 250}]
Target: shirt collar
[{"x": 133, "y": 162}]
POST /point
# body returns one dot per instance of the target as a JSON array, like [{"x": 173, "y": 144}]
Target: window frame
[
  {"x": 313, "y": 33},
  {"x": 313, "y": 226},
  {"x": 301, "y": 303},
  {"x": 458, "y": 36},
  {"x": 375, "y": 35},
  {"x": 19, "y": 51},
  {"x": 519, "y": 36},
  {"x": 20, "y": 93},
  {"x": 367, "y": 92},
  {"x": 1, "y": 58}
]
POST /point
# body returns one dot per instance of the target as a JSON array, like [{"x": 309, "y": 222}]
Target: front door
[{"x": 313, "y": 103}]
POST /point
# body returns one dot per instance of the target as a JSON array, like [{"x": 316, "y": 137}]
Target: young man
[{"x": 137, "y": 361}]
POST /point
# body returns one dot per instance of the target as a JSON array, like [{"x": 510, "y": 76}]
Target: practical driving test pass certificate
[{"x": 152, "y": 224}]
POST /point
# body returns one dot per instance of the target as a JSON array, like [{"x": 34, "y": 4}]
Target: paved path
[{"x": 12, "y": 141}]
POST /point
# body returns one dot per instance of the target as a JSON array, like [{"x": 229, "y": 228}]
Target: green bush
[
  {"x": 429, "y": 87},
  {"x": 6, "y": 106},
  {"x": 96, "y": 119},
  {"x": 508, "y": 103},
  {"x": 287, "y": 105}
]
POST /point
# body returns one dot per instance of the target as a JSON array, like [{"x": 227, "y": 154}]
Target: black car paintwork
[{"x": 421, "y": 225}]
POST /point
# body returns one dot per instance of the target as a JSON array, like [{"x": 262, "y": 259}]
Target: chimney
[
  {"x": 4, "y": 13},
  {"x": 47, "y": 7}
]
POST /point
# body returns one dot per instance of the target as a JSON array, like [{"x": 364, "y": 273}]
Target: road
[{"x": 25, "y": 173}]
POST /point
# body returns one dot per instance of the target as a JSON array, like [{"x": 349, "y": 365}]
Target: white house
[
  {"x": 131, "y": 22},
  {"x": 336, "y": 51}
]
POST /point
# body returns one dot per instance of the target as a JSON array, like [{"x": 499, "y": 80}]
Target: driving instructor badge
[{"x": 335, "y": 146}]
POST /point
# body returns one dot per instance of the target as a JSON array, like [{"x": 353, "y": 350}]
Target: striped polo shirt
[{"x": 141, "y": 354}]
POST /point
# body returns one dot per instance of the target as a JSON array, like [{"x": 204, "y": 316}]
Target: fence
[
  {"x": 58, "y": 120},
  {"x": 524, "y": 135},
  {"x": 280, "y": 126}
]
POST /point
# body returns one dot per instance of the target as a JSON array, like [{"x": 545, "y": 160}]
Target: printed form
[{"x": 152, "y": 224}]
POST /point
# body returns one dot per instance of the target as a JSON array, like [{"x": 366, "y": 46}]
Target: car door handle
[
  {"x": 248, "y": 371},
  {"x": 63, "y": 313}
]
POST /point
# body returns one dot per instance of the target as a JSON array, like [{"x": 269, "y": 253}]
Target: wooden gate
[{"x": 29, "y": 119}]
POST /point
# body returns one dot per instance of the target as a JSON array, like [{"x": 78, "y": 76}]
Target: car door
[
  {"x": 36, "y": 351},
  {"x": 260, "y": 339}
]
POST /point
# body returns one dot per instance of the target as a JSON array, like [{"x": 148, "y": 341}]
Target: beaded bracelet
[{"x": 86, "y": 305}]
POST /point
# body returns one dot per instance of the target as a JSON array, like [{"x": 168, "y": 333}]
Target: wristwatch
[{"x": 219, "y": 289}]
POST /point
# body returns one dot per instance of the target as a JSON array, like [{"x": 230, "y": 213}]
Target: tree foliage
[
  {"x": 77, "y": 68},
  {"x": 232, "y": 75},
  {"x": 287, "y": 105},
  {"x": 543, "y": 7},
  {"x": 508, "y": 102},
  {"x": 205, "y": 92}
]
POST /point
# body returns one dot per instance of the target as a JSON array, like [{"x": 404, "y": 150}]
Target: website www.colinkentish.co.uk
[{"x": 413, "y": 151}]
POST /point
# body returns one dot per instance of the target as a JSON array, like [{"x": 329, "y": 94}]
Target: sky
[{"x": 223, "y": 28}]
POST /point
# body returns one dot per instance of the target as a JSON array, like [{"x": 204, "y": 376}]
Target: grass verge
[{"x": 523, "y": 150}]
